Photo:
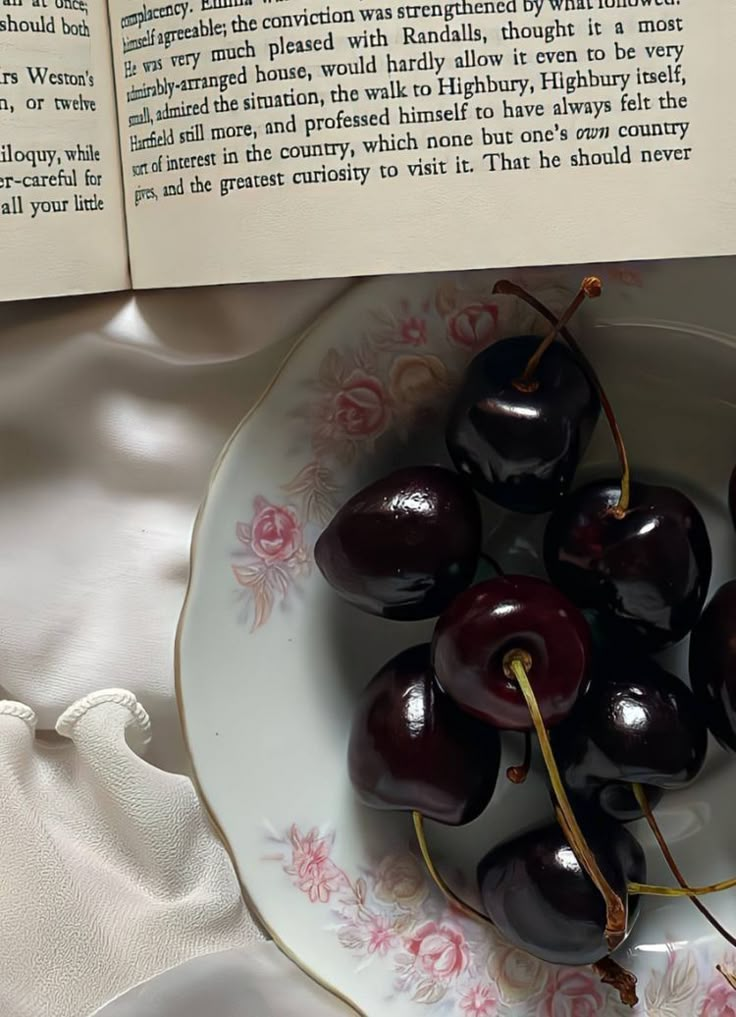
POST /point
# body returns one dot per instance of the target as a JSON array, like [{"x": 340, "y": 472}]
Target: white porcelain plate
[{"x": 270, "y": 662}]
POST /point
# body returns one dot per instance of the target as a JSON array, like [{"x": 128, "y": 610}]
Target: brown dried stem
[{"x": 513, "y": 289}]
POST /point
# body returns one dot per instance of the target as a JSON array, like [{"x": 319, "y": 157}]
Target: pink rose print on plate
[
  {"x": 479, "y": 1001},
  {"x": 408, "y": 323},
  {"x": 392, "y": 916},
  {"x": 571, "y": 993},
  {"x": 276, "y": 533},
  {"x": 440, "y": 951},
  {"x": 360, "y": 408},
  {"x": 271, "y": 557},
  {"x": 720, "y": 999},
  {"x": 413, "y": 331},
  {"x": 625, "y": 274},
  {"x": 382, "y": 936},
  {"x": 354, "y": 408},
  {"x": 473, "y": 327},
  {"x": 311, "y": 866}
]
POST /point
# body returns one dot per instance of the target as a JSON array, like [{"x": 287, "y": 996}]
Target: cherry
[
  {"x": 519, "y": 446},
  {"x": 523, "y": 418},
  {"x": 541, "y": 899},
  {"x": 635, "y": 724},
  {"x": 713, "y": 663},
  {"x": 645, "y": 567},
  {"x": 473, "y": 635},
  {"x": 411, "y": 748},
  {"x": 404, "y": 546}
]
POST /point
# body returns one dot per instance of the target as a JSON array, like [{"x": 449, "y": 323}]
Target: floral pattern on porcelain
[
  {"x": 435, "y": 955},
  {"x": 394, "y": 380},
  {"x": 271, "y": 558}
]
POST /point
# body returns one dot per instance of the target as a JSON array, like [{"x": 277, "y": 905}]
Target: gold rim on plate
[{"x": 214, "y": 820}]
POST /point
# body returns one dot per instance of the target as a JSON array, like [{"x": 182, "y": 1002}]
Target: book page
[
  {"x": 62, "y": 227},
  {"x": 267, "y": 139}
]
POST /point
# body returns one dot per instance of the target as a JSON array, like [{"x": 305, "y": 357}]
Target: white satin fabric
[
  {"x": 257, "y": 982},
  {"x": 112, "y": 412}
]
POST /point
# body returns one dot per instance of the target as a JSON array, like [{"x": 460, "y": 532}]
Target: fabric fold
[{"x": 109, "y": 862}]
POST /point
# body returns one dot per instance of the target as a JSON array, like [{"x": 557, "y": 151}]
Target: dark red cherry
[
  {"x": 521, "y": 444},
  {"x": 540, "y": 898},
  {"x": 411, "y": 748},
  {"x": 486, "y": 622},
  {"x": 404, "y": 546},
  {"x": 635, "y": 724},
  {"x": 646, "y": 573},
  {"x": 713, "y": 663}
]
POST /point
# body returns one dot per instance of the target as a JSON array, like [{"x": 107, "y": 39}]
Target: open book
[{"x": 162, "y": 144}]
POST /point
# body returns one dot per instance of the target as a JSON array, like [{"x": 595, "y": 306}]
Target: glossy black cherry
[
  {"x": 540, "y": 898},
  {"x": 404, "y": 546},
  {"x": 713, "y": 663},
  {"x": 646, "y": 573},
  {"x": 507, "y": 613},
  {"x": 635, "y": 724},
  {"x": 521, "y": 444},
  {"x": 411, "y": 748}
]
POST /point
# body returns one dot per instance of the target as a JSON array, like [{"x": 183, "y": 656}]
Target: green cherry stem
[
  {"x": 650, "y": 890},
  {"x": 452, "y": 897},
  {"x": 513, "y": 289},
  {"x": 607, "y": 969},
  {"x": 517, "y": 663},
  {"x": 685, "y": 889}
]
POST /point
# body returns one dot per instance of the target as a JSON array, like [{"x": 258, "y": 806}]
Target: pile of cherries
[{"x": 629, "y": 566}]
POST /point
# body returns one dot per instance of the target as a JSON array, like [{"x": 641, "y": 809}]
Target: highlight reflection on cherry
[
  {"x": 520, "y": 445},
  {"x": 646, "y": 571},
  {"x": 635, "y": 724},
  {"x": 412, "y": 748},
  {"x": 405, "y": 545},
  {"x": 535, "y": 891},
  {"x": 507, "y": 613}
]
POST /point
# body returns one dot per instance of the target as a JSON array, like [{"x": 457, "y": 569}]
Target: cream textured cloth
[
  {"x": 112, "y": 412},
  {"x": 112, "y": 874}
]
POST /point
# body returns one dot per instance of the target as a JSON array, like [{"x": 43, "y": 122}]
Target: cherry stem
[
  {"x": 590, "y": 287},
  {"x": 685, "y": 890},
  {"x": 731, "y": 979},
  {"x": 513, "y": 289},
  {"x": 451, "y": 896},
  {"x": 651, "y": 890},
  {"x": 517, "y": 662},
  {"x": 623, "y": 981},
  {"x": 518, "y": 774},
  {"x": 492, "y": 562}
]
